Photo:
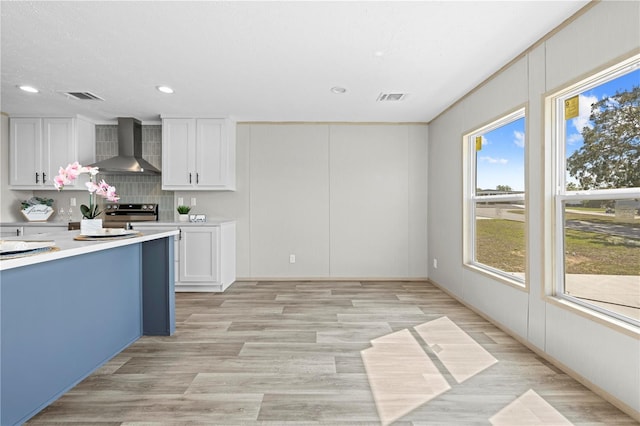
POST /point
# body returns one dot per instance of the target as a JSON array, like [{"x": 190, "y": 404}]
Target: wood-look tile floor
[{"x": 277, "y": 353}]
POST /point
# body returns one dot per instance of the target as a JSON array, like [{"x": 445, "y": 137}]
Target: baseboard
[
  {"x": 622, "y": 406},
  {"x": 347, "y": 279}
]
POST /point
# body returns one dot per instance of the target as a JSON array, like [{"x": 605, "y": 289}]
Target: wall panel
[
  {"x": 289, "y": 200},
  {"x": 602, "y": 34},
  {"x": 369, "y": 201},
  {"x": 418, "y": 253}
]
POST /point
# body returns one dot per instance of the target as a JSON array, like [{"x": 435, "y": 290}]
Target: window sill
[
  {"x": 606, "y": 320},
  {"x": 514, "y": 282}
]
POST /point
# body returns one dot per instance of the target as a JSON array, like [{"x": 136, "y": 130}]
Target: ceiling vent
[
  {"x": 390, "y": 97},
  {"x": 83, "y": 96}
]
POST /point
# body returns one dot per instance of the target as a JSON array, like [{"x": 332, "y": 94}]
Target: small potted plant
[{"x": 183, "y": 213}]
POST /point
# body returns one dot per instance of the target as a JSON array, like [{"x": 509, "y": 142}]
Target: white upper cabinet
[
  {"x": 198, "y": 154},
  {"x": 40, "y": 146}
]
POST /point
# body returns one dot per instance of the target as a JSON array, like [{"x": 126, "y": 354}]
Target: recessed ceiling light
[
  {"x": 338, "y": 90},
  {"x": 165, "y": 89},
  {"x": 29, "y": 89},
  {"x": 378, "y": 53}
]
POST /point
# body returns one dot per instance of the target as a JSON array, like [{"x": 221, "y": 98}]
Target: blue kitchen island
[{"x": 66, "y": 312}]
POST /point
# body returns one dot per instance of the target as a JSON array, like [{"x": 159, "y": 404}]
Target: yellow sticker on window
[
  {"x": 478, "y": 143},
  {"x": 571, "y": 108}
]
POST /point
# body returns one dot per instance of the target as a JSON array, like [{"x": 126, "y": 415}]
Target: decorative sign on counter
[
  {"x": 37, "y": 209},
  {"x": 37, "y": 213},
  {"x": 197, "y": 218}
]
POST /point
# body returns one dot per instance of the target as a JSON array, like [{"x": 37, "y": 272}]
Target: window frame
[
  {"x": 560, "y": 195},
  {"x": 471, "y": 199}
]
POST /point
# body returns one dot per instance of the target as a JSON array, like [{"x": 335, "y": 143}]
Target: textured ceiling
[{"x": 261, "y": 61}]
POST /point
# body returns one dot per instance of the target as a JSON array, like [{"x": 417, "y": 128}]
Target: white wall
[
  {"x": 369, "y": 211},
  {"x": 601, "y": 354},
  {"x": 349, "y": 200},
  {"x": 289, "y": 200}
]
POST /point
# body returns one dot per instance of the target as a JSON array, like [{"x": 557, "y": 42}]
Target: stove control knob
[{"x": 144, "y": 207}]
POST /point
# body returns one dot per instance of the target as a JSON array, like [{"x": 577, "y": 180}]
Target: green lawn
[
  {"x": 501, "y": 244},
  {"x": 596, "y": 253},
  {"x": 599, "y": 218}
]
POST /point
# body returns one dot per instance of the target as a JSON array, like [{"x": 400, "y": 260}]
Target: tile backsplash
[
  {"x": 137, "y": 189},
  {"x": 130, "y": 188}
]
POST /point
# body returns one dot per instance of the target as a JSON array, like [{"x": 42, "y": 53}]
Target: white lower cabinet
[
  {"x": 35, "y": 229},
  {"x": 199, "y": 255},
  {"x": 10, "y": 231},
  {"x": 205, "y": 256},
  {"x": 29, "y": 229}
]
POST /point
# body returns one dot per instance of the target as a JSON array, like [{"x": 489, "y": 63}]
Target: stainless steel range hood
[{"x": 129, "y": 159}]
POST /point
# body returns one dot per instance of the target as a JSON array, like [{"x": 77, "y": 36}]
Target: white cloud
[
  {"x": 574, "y": 139},
  {"x": 518, "y": 138},
  {"x": 584, "y": 105},
  {"x": 492, "y": 160}
]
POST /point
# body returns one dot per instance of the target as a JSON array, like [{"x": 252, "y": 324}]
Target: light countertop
[
  {"x": 70, "y": 247},
  {"x": 209, "y": 222},
  {"x": 51, "y": 223}
]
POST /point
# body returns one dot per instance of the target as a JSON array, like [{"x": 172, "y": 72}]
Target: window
[
  {"x": 596, "y": 138},
  {"x": 495, "y": 218}
]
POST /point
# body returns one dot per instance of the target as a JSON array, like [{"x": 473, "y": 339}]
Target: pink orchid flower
[
  {"x": 71, "y": 173},
  {"x": 61, "y": 180},
  {"x": 92, "y": 187},
  {"x": 111, "y": 194},
  {"x": 103, "y": 187}
]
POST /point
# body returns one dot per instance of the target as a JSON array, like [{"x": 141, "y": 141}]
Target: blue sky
[
  {"x": 575, "y": 125},
  {"x": 574, "y": 140},
  {"x": 501, "y": 159}
]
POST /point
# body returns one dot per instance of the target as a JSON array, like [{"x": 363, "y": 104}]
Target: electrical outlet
[
  {"x": 292, "y": 258},
  {"x": 180, "y": 201},
  {"x": 193, "y": 201},
  {"x": 72, "y": 202},
  {"x": 435, "y": 263}
]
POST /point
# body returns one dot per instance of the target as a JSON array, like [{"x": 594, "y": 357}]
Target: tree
[
  {"x": 571, "y": 186},
  {"x": 505, "y": 188},
  {"x": 610, "y": 156}
]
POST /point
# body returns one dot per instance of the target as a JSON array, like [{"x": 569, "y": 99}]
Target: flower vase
[
  {"x": 90, "y": 226},
  {"x": 183, "y": 217}
]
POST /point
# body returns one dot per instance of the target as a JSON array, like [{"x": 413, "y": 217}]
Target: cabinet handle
[
  {"x": 44, "y": 177},
  {"x": 189, "y": 177},
  {"x": 197, "y": 177},
  {"x": 37, "y": 177},
  {"x": 17, "y": 232}
]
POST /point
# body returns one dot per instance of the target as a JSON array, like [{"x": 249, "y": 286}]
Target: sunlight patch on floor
[
  {"x": 529, "y": 409},
  {"x": 401, "y": 375},
  {"x": 460, "y": 354}
]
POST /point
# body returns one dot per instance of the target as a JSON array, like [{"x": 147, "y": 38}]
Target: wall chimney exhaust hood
[{"x": 129, "y": 159}]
